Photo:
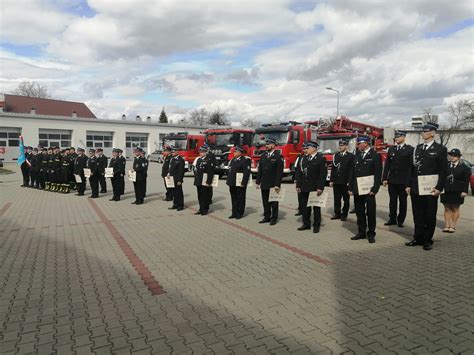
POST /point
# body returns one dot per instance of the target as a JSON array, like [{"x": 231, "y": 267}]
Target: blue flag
[{"x": 21, "y": 157}]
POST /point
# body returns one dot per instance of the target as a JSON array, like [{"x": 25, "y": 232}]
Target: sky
[{"x": 266, "y": 60}]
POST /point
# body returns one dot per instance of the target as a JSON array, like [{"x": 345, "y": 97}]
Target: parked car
[
  {"x": 468, "y": 163},
  {"x": 156, "y": 156}
]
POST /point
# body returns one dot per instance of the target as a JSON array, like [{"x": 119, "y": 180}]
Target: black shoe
[
  {"x": 80, "y": 194},
  {"x": 139, "y": 203},
  {"x": 103, "y": 191},
  {"x": 352, "y": 211},
  {"x": 117, "y": 199},
  {"x": 134, "y": 202},
  {"x": 371, "y": 239},
  {"x": 180, "y": 209},
  {"x": 197, "y": 212},
  {"x": 303, "y": 228},
  {"x": 336, "y": 217},
  {"x": 413, "y": 243},
  {"x": 343, "y": 218},
  {"x": 264, "y": 221},
  {"x": 298, "y": 213},
  {"x": 231, "y": 216},
  {"x": 359, "y": 236},
  {"x": 390, "y": 223},
  {"x": 112, "y": 199},
  {"x": 204, "y": 213},
  {"x": 427, "y": 246},
  {"x": 400, "y": 225},
  {"x": 164, "y": 199},
  {"x": 273, "y": 222},
  {"x": 315, "y": 229},
  {"x": 172, "y": 208},
  {"x": 238, "y": 217}
]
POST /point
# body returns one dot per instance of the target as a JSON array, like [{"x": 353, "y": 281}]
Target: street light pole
[{"x": 337, "y": 108}]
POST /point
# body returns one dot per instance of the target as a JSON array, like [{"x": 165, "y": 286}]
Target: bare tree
[
  {"x": 218, "y": 117},
  {"x": 32, "y": 89},
  {"x": 199, "y": 116},
  {"x": 250, "y": 123},
  {"x": 461, "y": 115}
]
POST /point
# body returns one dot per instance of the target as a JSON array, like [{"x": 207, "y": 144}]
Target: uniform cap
[
  {"x": 92, "y": 150},
  {"x": 430, "y": 126},
  {"x": 99, "y": 150},
  {"x": 270, "y": 141},
  {"x": 173, "y": 148},
  {"x": 361, "y": 139},
  {"x": 455, "y": 152},
  {"x": 80, "y": 149},
  {"x": 400, "y": 133},
  {"x": 72, "y": 148},
  {"x": 44, "y": 149},
  {"x": 312, "y": 144},
  {"x": 343, "y": 142},
  {"x": 304, "y": 145}
]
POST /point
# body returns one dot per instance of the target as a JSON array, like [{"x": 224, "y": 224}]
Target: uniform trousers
[
  {"x": 424, "y": 216},
  {"x": 203, "y": 193},
  {"x": 340, "y": 191},
  {"x": 238, "y": 196},
  {"x": 270, "y": 209},
  {"x": 307, "y": 211},
  {"x": 118, "y": 183},
  {"x": 178, "y": 196},
  {"x": 365, "y": 207},
  {"x": 139, "y": 187},
  {"x": 397, "y": 194}
]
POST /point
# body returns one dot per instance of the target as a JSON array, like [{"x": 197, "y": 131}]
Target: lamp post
[{"x": 337, "y": 108}]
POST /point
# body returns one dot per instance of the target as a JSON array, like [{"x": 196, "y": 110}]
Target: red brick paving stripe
[
  {"x": 142, "y": 270},
  {"x": 5, "y": 208},
  {"x": 288, "y": 247}
]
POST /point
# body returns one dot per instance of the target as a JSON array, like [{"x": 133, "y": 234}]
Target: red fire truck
[
  {"x": 188, "y": 145},
  {"x": 289, "y": 136},
  {"x": 222, "y": 142},
  {"x": 328, "y": 133}
]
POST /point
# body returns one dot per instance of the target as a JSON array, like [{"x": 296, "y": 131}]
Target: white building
[{"x": 66, "y": 131}]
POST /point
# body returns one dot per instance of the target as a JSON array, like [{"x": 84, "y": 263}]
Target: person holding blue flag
[{"x": 24, "y": 162}]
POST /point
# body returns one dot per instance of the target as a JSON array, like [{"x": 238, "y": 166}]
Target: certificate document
[
  {"x": 426, "y": 183},
  {"x": 169, "y": 181},
  {"x": 276, "y": 196},
  {"x": 109, "y": 172},
  {"x": 239, "y": 177},
  {"x": 132, "y": 176},
  {"x": 78, "y": 178},
  {"x": 215, "y": 180},
  {"x": 317, "y": 201},
  {"x": 365, "y": 184},
  {"x": 87, "y": 172}
]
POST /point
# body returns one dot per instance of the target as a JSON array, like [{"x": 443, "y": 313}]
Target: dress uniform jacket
[
  {"x": 79, "y": 164},
  {"x": 238, "y": 165},
  {"x": 270, "y": 170},
  {"x": 140, "y": 166},
  {"x": 433, "y": 161},
  {"x": 397, "y": 165},
  {"x": 118, "y": 165},
  {"x": 166, "y": 166},
  {"x": 204, "y": 165},
  {"x": 370, "y": 164},
  {"x": 458, "y": 178},
  {"x": 313, "y": 173},
  {"x": 176, "y": 169},
  {"x": 341, "y": 170}
]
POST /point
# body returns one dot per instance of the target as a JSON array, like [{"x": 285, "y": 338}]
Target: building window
[
  {"x": 99, "y": 139},
  {"x": 133, "y": 140},
  {"x": 54, "y": 137},
  {"x": 10, "y": 137}
]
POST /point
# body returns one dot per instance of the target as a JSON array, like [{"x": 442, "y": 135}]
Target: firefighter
[
  {"x": 296, "y": 172},
  {"x": 43, "y": 167},
  {"x": 430, "y": 158},
  {"x": 70, "y": 178},
  {"x": 34, "y": 168},
  {"x": 56, "y": 162},
  {"x": 367, "y": 163},
  {"x": 342, "y": 163},
  {"x": 176, "y": 171},
  {"x": 101, "y": 164},
  {"x": 93, "y": 165},
  {"x": 269, "y": 175},
  {"x": 164, "y": 172},
  {"x": 204, "y": 165},
  {"x": 25, "y": 168},
  {"x": 239, "y": 164},
  {"x": 118, "y": 164},
  {"x": 80, "y": 162},
  {"x": 395, "y": 175},
  {"x": 140, "y": 166},
  {"x": 64, "y": 188}
]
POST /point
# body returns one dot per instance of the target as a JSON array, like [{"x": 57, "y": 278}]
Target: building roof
[{"x": 25, "y": 104}]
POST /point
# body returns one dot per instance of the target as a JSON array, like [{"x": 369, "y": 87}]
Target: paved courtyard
[{"x": 91, "y": 276}]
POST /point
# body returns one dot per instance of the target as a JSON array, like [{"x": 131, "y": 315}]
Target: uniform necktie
[{"x": 425, "y": 147}]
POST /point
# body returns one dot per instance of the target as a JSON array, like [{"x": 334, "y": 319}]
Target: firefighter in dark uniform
[
  {"x": 455, "y": 190},
  {"x": 430, "y": 158},
  {"x": 25, "y": 168},
  {"x": 164, "y": 172},
  {"x": 212, "y": 158},
  {"x": 117, "y": 163},
  {"x": 312, "y": 178},
  {"x": 80, "y": 162},
  {"x": 143, "y": 156},
  {"x": 296, "y": 172},
  {"x": 49, "y": 174},
  {"x": 93, "y": 165},
  {"x": 342, "y": 164},
  {"x": 34, "y": 168},
  {"x": 395, "y": 175},
  {"x": 140, "y": 166},
  {"x": 269, "y": 175},
  {"x": 70, "y": 178},
  {"x": 102, "y": 164},
  {"x": 239, "y": 164},
  {"x": 204, "y": 165},
  {"x": 56, "y": 163},
  {"x": 367, "y": 162},
  {"x": 64, "y": 188},
  {"x": 42, "y": 162},
  {"x": 176, "y": 171}
]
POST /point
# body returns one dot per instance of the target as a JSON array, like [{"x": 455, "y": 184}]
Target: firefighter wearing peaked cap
[
  {"x": 80, "y": 162},
  {"x": 117, "y": 163},
  {"x": 140, "y": 166},
  {"x": 239, "y": 164},
  {"x": 342, "y": 163},
  {"x": 204, "y": 165}
]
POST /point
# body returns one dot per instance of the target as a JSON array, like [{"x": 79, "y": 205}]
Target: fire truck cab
[
  {"x": 187, "y": 144},
  {"x": 222, "y": 142},
  {"x": 289, "y": 136}
]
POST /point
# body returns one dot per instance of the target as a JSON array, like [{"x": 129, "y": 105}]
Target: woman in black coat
[{"x": 455, "y": 190}]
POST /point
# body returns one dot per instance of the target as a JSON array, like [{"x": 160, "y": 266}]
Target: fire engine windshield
[
  {"x": 331, "y": 145},
  {"x": 179, "y": 143},
  {"x": 221, "y": 140},
  {"x": 280, "y": 137}
]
